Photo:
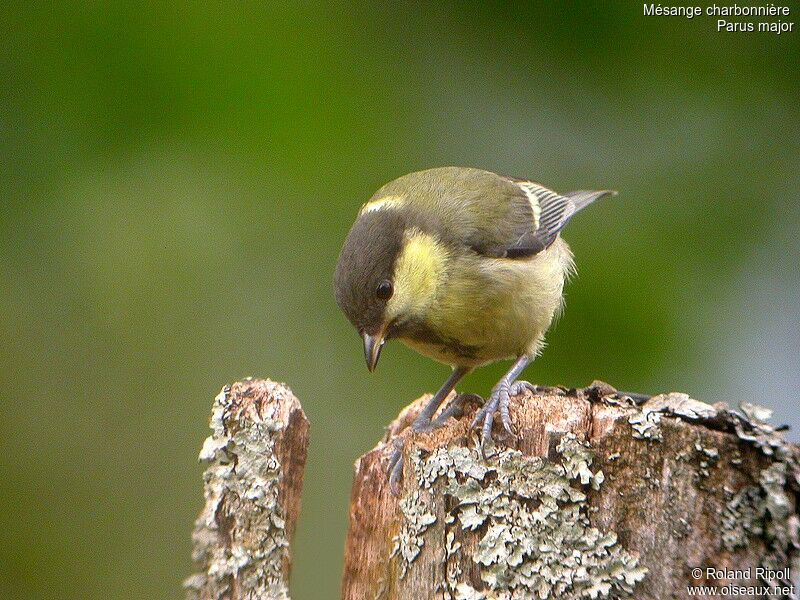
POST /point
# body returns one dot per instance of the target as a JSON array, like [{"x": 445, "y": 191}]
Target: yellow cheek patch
[
  {"x": 380, "y": 203},
  {"x": 418, "y": 271}
]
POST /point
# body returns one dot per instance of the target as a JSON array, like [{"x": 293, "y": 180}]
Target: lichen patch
[
  {"x": 765, "y": 511},
  {"x": 531, "y": 516},
  {"x": 646, "y": 425},
  {"x": 241, "y": 484},
  {"x": 416, "y": 519}
]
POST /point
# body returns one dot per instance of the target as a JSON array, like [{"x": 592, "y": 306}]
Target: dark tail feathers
[{"x": 582, "y": 199}]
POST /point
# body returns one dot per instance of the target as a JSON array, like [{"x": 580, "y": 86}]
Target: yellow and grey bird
[{"x": 466, "y": 267}]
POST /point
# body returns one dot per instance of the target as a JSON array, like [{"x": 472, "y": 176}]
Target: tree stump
[
  {"x": 596, "y": 497},
  {"x": 257, "y": 455}
]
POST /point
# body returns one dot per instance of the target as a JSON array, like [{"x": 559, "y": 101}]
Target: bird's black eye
[{"x": 384, "y": 290}]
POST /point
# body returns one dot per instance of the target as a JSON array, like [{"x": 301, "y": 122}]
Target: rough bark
[
  {"x": 597, "y": 497},
  {"x": 252, "y": 489}
]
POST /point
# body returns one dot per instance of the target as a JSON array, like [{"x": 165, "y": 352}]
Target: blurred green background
[{"x": 177, "y": 180}]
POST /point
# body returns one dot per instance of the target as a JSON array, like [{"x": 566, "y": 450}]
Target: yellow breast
[{"x": 498, "y": 308}]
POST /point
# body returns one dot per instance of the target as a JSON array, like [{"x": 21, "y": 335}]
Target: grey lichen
[
  {"x": 646, "y": 425},
  {"x": 767, "y": 509},
  {"x": 742, "y": 517},
  {"x": 756, "y": 412},
  {"x": 532, "y": 516},
  {"x": 241, "y": 492},
  {"x": 681, "y": 405},
  {"x": 416, "y": 519},
  {"x": 708, "y": 457},
  {"x": 754, "y": 429}
]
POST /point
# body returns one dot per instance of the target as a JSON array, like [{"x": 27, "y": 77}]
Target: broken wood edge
[
  {"x": 253, "y": 484},
  {"x": 385, "y": 549}
]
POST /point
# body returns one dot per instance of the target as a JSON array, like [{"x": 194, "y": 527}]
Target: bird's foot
[
  {"x": 499, "y": 400},
  {"x": 395, "y": 467},
  {"x": 454, "y": 409}
]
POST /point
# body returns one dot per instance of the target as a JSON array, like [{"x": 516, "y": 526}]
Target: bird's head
[{"x": 387, "y": 276}]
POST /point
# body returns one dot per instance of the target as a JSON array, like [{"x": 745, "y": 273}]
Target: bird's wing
[
  {"x": 535, "y": 217},
  {"x": 494, "y": 215}
]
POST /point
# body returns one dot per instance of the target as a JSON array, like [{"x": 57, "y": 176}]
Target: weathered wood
[
  {"x": 597, "y": 497},
  {"x": 257, "y": 455}
]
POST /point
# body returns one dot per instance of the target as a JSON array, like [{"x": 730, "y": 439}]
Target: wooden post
[
  {"x": 253, "y": 483},
  {"x": 596, "y": 497}
]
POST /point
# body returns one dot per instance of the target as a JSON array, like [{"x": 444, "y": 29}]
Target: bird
[{"x": 464, "y": 266}]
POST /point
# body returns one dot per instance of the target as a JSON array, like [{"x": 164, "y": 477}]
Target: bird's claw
[
  {"x": 395, "y": 467},
  {"x": 499, "y": 400},
  {"x": 485, "y": 416},
  {"x": 521, "y": 386}
]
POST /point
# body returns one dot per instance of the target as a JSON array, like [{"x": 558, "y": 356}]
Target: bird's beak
[{"x": 372, "y": 348}]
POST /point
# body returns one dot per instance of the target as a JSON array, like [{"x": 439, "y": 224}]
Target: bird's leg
[
  {"x": 501, "y": 395},
  {"x": 423, "y": 420},
  {"x": 423, "y": 423}
]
